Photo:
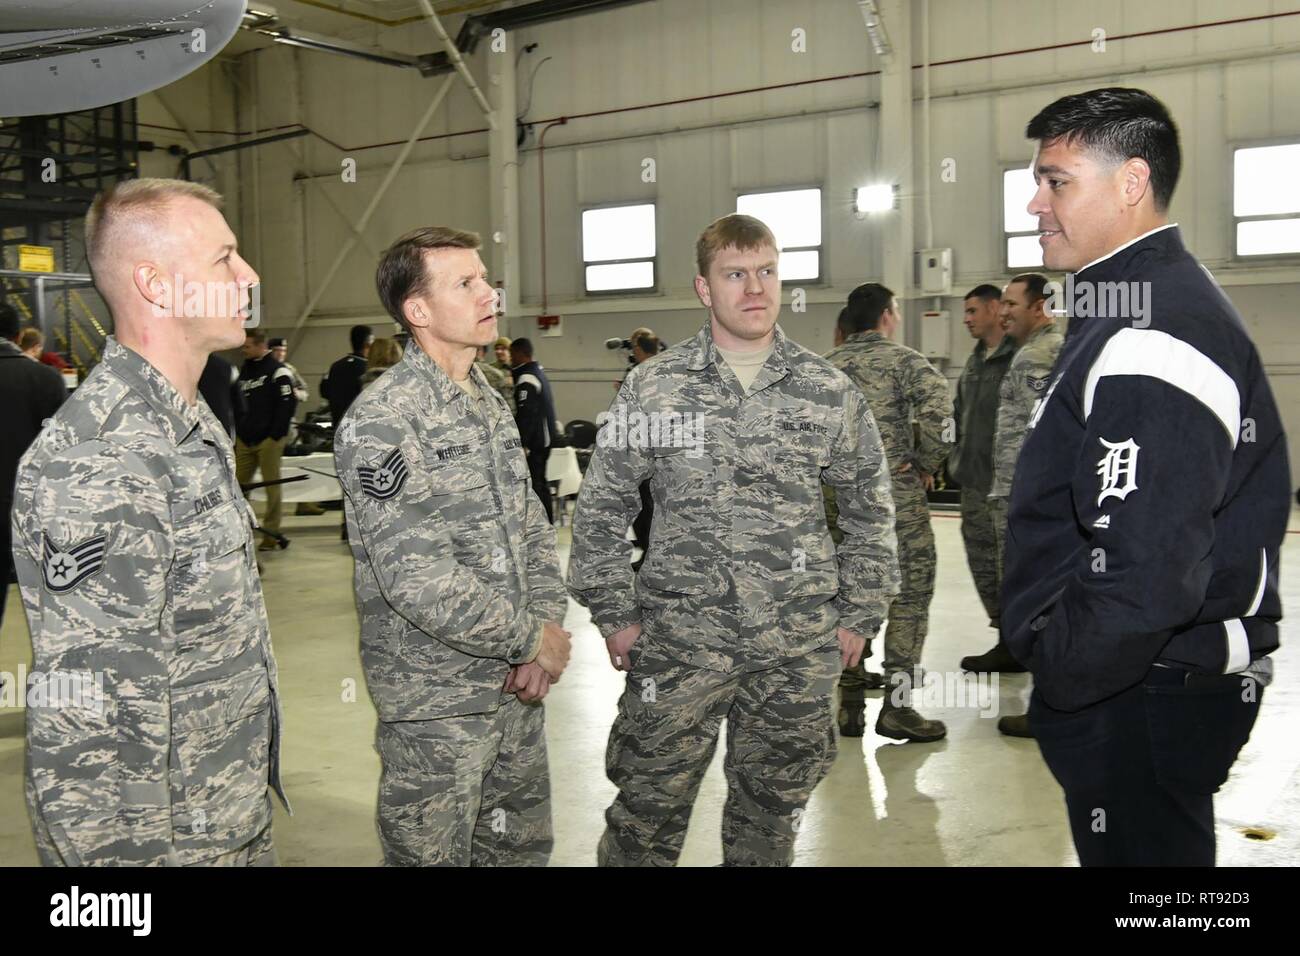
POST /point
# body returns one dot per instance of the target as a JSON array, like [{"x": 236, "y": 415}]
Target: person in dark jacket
[
  {"x": 260, "y": 436},
  {"x": 535, "y": 416},
  {"x": 975, "y": 410},
  {"x": 219, "y": 386},
  {"x": 342, "y": 383},
  {"x": 1149, "y": 501},
  {"x": 29, "y": 394}
]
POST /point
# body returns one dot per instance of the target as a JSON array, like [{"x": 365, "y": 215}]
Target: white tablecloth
[{"x": 562, "y": 466}]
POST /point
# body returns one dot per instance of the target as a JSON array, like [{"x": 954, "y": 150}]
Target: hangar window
[
  {"x": 795, "y": 218},
  {"x": 618, "y": 248},
  {"x": 1266, "y": 199},
  {"x": 1019, "y": 229}
]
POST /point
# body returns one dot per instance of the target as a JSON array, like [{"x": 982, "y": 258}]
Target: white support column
[
  {"x": 503, "y": 178},
  {"x": 895, "y": 114}
]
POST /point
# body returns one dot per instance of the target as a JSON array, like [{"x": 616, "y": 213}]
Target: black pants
[
  {"x": 1140, "y": 769},
  {"x": 537, "y": 468}
]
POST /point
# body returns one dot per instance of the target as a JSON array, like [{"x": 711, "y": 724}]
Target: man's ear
[
  {"x": 415, "y": 314},
  {"x": 155, "y": 287},
  {"x": 702, "y": 290},
  {"x": 1136, "y": 181}
]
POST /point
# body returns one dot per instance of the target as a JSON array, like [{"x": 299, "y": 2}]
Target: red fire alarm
[{"x": 545, "y": 322}]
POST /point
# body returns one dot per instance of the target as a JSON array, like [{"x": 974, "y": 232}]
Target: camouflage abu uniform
[
  {"x": 455, "y": 576},
  {"x": 134, "y": 549},
  {"x": 901, "y": 386},
  {"x": 741, "y": 592},
  {"x": 1023, "y": 385},
  {"x": 975, "y": 409},
  {"x": 497, "y": 379}
]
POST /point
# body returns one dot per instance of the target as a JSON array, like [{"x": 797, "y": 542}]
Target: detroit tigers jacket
[{"x": 1152, "y": 493}]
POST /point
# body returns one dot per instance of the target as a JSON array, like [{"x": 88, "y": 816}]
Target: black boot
[
  {"x": 853, "y": 719},
  {"x": 998, "y": 658}
]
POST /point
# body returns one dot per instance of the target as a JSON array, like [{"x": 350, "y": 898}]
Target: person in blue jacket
[{"x": 1149, "y": 501}]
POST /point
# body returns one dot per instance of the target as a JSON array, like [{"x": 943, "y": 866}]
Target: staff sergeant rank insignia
[
  {"x": 64, "y": 570},
  {"x": 386, "y": 480}
]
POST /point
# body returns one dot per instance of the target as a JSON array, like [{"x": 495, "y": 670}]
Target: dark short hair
[
  {"x": 1035, "y": 285},
  {"x": 10, "y": 323},
  {"x": 255, "y": 336},
  {"x": 523, "y": 346},
  {"x": 1118, "y": 123},
  {"x": 867, "y": 303},
  {"x": 647, "y": 343},
  {"x": 986, "y": 291},
  {"x": 402, "y": 272},
  {"x": 359, "y": 336}
]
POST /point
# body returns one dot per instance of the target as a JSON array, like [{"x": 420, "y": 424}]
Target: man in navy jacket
[
  {"x": 535, "y": 416},
  {"x": 1149, "y": 501}
]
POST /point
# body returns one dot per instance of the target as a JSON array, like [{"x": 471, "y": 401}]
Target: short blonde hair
[
  {"x": 743, "y": 232},
  {"x": 133, "y": 198},
  {"x": 384, "y": 353},
  {"x": 30, "y": 337}
]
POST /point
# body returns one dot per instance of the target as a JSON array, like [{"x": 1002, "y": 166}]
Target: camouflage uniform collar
[
  {"x": 704, "y": 352},
  {"x": 446, "y": 390},
  {"x": 177, "y": 417},
  {"x": 870, "y": 335},
  {"x": 1039, "y": 332},
  {"x": 1006, "y": 346}
]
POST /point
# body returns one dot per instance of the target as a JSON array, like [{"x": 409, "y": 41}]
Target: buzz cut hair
[
  {"x": 403, "y": 272},
  {"x": 987, "y": 291},
  {"x": 1035, "y": 284},
  {"x": 134, "y": 200},
  {"x": 744, "y": 232}
]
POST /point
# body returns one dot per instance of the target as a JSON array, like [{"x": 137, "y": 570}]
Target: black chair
[{"x": 581, "y": 436}]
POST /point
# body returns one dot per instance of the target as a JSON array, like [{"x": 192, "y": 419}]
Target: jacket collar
[
  {"x": 1167, "y": 237},
  {"x": 431, "y": 372},
  {"x": 1039, "y": 332},
  {"x": 704, "y": 352},
  {"x": 176, "y": 417},
  {"x": 869, "y": 335}
]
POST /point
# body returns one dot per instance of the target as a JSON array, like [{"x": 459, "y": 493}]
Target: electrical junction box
[
  {"x": 936, "y": 334},
  {"x": 936, "y": 271}
]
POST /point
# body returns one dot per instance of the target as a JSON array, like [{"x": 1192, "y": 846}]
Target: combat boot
[
  {"x": 1016, "y": 725},
  {"x": 998, "y": 659},
  {"x": 853, "y": 719},
  {"x": 904, "y": 723}
]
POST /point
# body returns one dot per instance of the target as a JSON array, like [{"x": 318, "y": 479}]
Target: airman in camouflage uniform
[
  {"x": 497, "y": 379},
  {"x": 975, "y": 409},
  {"x": 154, "y": 733},
  {"x": 909, "y": 401},
  {"x": 1030, "y": 325},
  {"x": 456, "y": 578},
  {"x": 738, "y": 608}
]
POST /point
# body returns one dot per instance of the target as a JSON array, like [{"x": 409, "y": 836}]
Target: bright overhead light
[{"x": 878, "y": 198}]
